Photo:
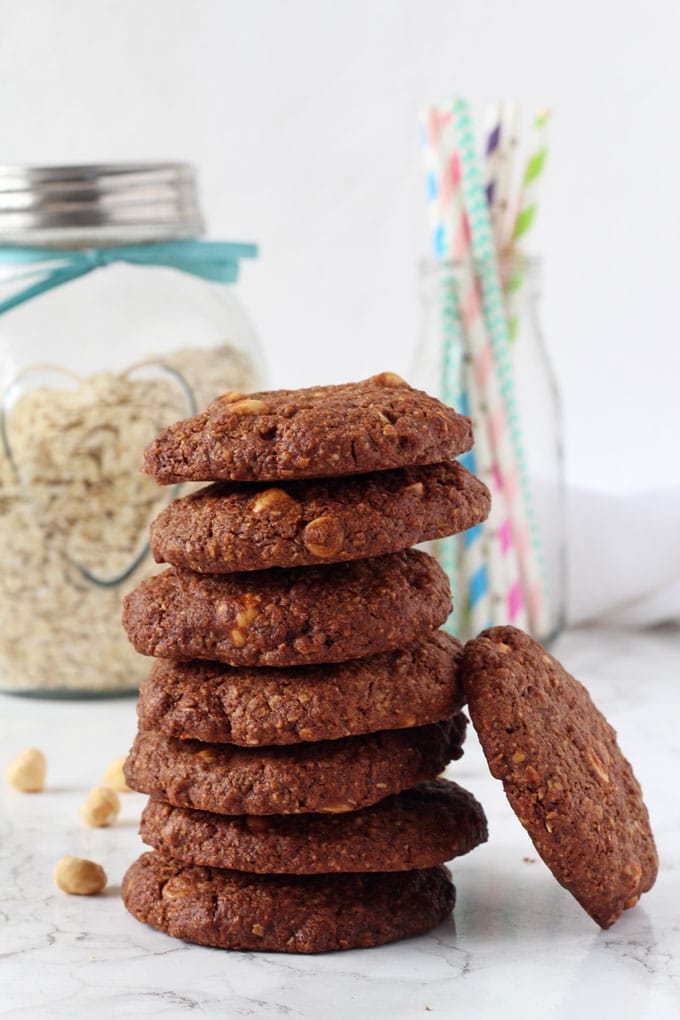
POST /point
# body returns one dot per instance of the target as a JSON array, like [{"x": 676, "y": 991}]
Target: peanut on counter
[
  {"x": 79, "y": 877},
  {"x": 101, "y": 807},
  {"x": 114, "y": 777},
  {"x": 27, "y": 771}
]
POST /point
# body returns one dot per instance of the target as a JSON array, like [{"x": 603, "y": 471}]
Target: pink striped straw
[
  {"x": 503, "y": 411},
  {"x": 494, "y": 546}
]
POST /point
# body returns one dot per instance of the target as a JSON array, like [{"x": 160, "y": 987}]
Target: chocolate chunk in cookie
[
  {"x": 319, "y": 432},
  {"x": 285, "y": 913},
  {"x": 330, "y": 776},
  {"x": 426, "y": 825},
  {"x": 289, "y": 617},
  {"x": 217, "y": 703},
  {"x": 562, "y": 771},
  {"x": 230, "y": 527}
]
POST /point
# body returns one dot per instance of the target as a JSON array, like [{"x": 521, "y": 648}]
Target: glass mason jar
[
  {"x": 446, "y": 365},
  {"x": 114, "y": 322}
]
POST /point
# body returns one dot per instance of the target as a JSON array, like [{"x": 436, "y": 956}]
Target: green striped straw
[
  {"x": 493, "y": 305},
  {"x": 526, "y": 215},
  {"x": 532, "y": 176}
]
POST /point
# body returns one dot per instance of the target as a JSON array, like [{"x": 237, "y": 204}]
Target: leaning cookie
[
  {"x": 562, "y": 771},
  {"x": 321, "y": 432},
  {"x": 426, "y": 825},
  {"x": 289, "y": 617},
  {"x": 217, "y": 703},
  {"x": 229, "y": 527},
  {"x": 330, "y": 776},
  {"x": 285, "y": 913}
]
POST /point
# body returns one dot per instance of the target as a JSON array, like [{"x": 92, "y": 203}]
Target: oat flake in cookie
[
  {"x": 320, "y": 432},
  {"x": 562, "y": 771}
]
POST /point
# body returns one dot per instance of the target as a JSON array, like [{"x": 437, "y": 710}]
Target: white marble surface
[{"x": 520, "y": 948}]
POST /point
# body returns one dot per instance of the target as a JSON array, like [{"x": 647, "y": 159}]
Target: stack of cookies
[{"x": 303, "y": 701}]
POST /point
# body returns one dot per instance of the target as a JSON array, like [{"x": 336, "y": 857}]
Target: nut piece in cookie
[{"x": 562, "y": 770}]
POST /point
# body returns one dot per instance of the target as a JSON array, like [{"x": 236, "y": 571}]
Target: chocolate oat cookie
[
  {"x": 421, "y": 827},
  {"x": 330, "y": 776},
  {"x": 289, "y": 617},
  {"x": 562, "y": 771},
  {"x": 284, "y": 913},
  {"x": 253, "y": 707},
  {"x": 230, "y": 527},
  {"x": 321, "y": 432}
]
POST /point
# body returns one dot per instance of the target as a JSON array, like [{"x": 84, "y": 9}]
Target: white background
[{"x": 301, "y": 116}]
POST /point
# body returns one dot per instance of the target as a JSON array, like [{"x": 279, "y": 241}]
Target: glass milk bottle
[{"x": 444, "y": 353}]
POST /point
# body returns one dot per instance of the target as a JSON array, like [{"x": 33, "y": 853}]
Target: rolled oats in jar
[{"x": 115, "y": 320}]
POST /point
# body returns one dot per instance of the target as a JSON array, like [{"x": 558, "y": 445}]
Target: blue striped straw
[
  {"x": 452, "y": 345},
  {"x": 493, "y": 305}
]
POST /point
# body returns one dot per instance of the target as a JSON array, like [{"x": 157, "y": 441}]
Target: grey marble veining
[{"x": 520, "y": 946}]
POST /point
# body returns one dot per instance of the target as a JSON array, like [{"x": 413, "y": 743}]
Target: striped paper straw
[
  {"x": 489, "y": 562},
  {"x": 447, "y": 549},
  {"x": 495, "y": 547},
  {"x": 533, "y": 174},
  {"x": 526, "y": 215},
  {"x": 492, "y": 153},
  {"x": 503, "y": 410},
  {"x": 506, "y": 162}
]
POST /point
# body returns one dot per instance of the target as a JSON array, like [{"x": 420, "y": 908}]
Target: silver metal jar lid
[{"x": 106, "y": 203}]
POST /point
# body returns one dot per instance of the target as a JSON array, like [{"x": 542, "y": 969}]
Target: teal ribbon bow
[{"x": 217, "y": 261}]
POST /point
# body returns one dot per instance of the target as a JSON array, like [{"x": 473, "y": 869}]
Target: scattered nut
[
  {"x": 101, "y": 807},
  {"x": 248, "y": 406},
  {"x": 114, "y": 776},
  {"x": 79, "y": 877},
  {"x": 244, "y": 618},
  {"x": 27, "y": 771},
  {"x": 324, "y": 536},
  {"x": 258, "y": 930},
  {"x": 230, "y": 397},
  {"x": 417, "y": 488},
  {"x": 269, "y": 498},
  {"x": 388, "y": 379},
  {"x": 207, "y": 755}
]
